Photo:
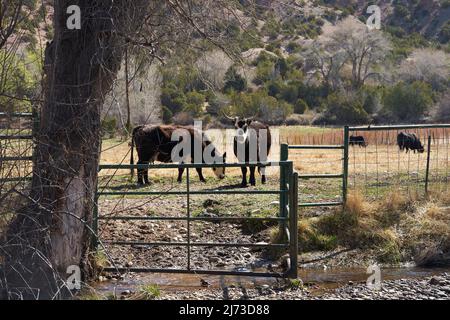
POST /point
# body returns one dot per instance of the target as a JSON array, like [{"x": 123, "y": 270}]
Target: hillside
[{"x": 287, "y": 71}]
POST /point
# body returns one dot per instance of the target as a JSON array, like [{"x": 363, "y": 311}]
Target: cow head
[
  {"x": 220, "y": 171},
  {"x": 242, "y": 125},
  {"x": 421, "y": 148}
]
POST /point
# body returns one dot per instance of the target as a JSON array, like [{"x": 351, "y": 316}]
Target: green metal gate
[
  {"x": 287, "y": 219},
  {"x": 16, "y": 147},
  {"x": 342, "y": 176}
]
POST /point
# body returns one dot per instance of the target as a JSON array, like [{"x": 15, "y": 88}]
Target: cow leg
[
  {"x": 200, "y": 175},
  {"x": 252, "y": 176},
  {"x": 244, "y": 176},
  {"x": 180, "y": 175},
  {"x": 142, "y": 174},
  {"x": 146, "y": 179},
  {"x": 263, "y": 175}
]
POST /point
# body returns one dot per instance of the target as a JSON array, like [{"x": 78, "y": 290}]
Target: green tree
[
  {"x": 265, "y": 71},
  {"x": 167, "y": 115},
  {"x": 173, "y": 99},
  {"x": 408, "y": 101},
  {"x": 194, "y": 103},
  {"x": 344, "y": 110},
  {"x": 234, "y": 81}
]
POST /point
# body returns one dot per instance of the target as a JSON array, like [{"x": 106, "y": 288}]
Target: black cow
[
  {"x": 154, "y": 143},
  {"x": 409, "y": 141},
  {"x": 248, "y": 132},
  {"x": 358, "y": 141}
]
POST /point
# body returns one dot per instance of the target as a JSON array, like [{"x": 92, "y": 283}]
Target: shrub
[
  {"x": 173, "y": 99},
  {"x": 293, "y": 47},
  {"x": 442, "y": 112},
  {"x": 344, "y": 110},
  {"x": 444, "y": 35},
  {"x": 408, "y": 102},
  {"x": 265, "y": 71},
  {"x": 183, "y": 119},
  {"x": 300, "y": 107},
  {"x": 281, "y": 67},
  {"x": 299, "y": 120},
  {"x": 216, "y": 103},
  {"x": 109, "y": 126},
  {"x": 289, "y": 93},
  {"x": 166, "y": 115},
  {"x": 265, "y": 107},
  {"x": 234, "y": 81}
]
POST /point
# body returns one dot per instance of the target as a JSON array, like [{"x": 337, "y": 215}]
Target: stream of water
[{"x": 321, "y": 279}]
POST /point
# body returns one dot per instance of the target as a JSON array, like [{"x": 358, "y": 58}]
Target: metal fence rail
[
  {"x": 12, "y": 149},
  {"x": 287, "y": 218},
  {"x": 342, "y": 176}
]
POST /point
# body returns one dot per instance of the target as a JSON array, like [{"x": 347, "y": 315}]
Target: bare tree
[
  {"x": 53, "y": 232},
  {"x": 428, "y": 65},
  {"x": 365, "y": 49},
  {"x": 326, "y": 61}
]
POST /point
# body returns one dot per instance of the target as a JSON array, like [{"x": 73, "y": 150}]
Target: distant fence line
[
  {"x": 380, "y": 135},
  {"x": 382, "y": 166}
]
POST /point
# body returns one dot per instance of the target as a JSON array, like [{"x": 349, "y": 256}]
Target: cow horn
[{"x": 227, "y": 116}]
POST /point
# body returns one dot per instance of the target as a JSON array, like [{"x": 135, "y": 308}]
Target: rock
[
  {"x": 204, "y": 283},
  {"x": 129, "y": 264},
  {"x": 210, "y": 203},
  {"x": 126, "y": 293},
  {"x": 446, "y": 289},
  {"x": 436, "y": 281},
  {"x": 214, "y": 260},
  {"x": 275, "y": 203}
]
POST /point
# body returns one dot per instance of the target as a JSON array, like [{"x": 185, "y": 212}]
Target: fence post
[
  {"x": 293, "y": 225},
  {"x": 427, "y": 173},
  {"x": 345, "y": 164},
  {"x": 284, "y": 155}
]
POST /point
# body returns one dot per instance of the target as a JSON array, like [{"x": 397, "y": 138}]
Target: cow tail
[{"x": 132, "y": 153}]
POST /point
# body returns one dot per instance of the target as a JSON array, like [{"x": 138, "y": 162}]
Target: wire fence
[{"x": 380, "y": 166}]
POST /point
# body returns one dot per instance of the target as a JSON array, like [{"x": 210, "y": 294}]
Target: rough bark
[{"x": 51, "y": 234}]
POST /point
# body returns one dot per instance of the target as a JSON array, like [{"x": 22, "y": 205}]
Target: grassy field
[{"x": 373, "y": 170}]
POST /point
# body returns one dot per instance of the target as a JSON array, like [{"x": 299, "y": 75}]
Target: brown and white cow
[{"x": 252, "y": 144}]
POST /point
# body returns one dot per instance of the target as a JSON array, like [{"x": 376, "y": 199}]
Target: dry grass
[
  {"x": 356, "y": 205},
  {"x": 397, "y": 228}
]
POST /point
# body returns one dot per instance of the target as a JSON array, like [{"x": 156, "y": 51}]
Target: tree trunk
[
  {"x": 51, "y": 233},
  {"x": 127, "y": 94}
]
